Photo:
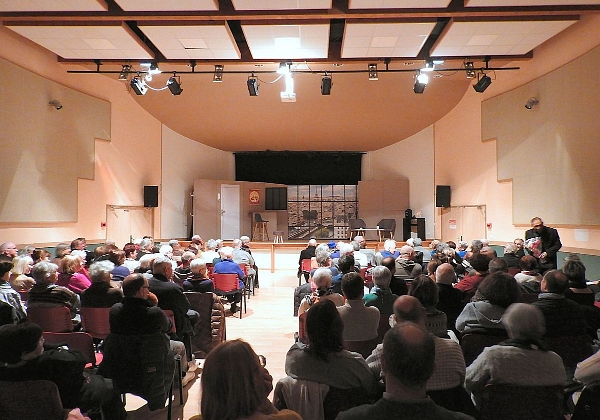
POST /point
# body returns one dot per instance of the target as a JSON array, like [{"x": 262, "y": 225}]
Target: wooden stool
[
  {"x": 278, "y": 237},
  {"x": 259, "y": 228}
]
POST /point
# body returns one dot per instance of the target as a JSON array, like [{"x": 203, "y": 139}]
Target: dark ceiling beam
[{"x": 283, "y": 15}]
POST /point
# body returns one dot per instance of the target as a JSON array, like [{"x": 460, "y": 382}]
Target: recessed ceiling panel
[
  {"x": 193, "y": 42},
  {"x": 503, "y": 3},
  {"x": 287, "y": 41},
  {"x": 464, "y": 39},
  {"x": 87, "y": 42},
  {"x": 167, "y": 5},
  {"x": 281, "y": 4},
  {"x": 397, "y": 4},
  {"x": 385, "y": 39},
  {"x": 53, "y": 6}
]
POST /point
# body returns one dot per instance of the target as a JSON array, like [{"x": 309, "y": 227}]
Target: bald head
[
  {"x": 444, "y": 274},
  {"x": 409, "y": 308}
]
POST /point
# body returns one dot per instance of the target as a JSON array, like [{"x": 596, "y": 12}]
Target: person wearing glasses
[{"x": 547, "y": 246}]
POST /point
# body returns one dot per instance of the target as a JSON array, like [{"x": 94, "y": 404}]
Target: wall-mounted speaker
[
  {"x": 442, "y": 195},
  {"x": 150, "y": 196}
]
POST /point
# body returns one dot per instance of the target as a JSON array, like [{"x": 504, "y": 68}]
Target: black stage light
[
  {"x": 174, "y": 86},
  {"x": 138, "y": 86},
  {"x": 253, "y": 86},
  {"x": 482, "y": 84}
]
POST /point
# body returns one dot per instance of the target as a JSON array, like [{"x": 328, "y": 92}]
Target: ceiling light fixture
[
  {"x": 483, "y": 83},
  {"x": 124, "y": 75},
  {"x": 218, "y": 75},
  {"x": 429, "y": 66},
  {"x": 471, "y": 73},
  {"x": 533, "y": 101},
  {"x": 421, "y": 81},
  {"x": 174, "y": 85},
  {"x": 326, "y": 85},
  {"x": 252, "y": 85},
  {"x": 373, "y": 72},
  {"x": 288, "y": 95},
  {"x": 138, "y": 86}
]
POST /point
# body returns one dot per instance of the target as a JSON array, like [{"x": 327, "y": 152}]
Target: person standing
[{"x": 548, "y": 246}]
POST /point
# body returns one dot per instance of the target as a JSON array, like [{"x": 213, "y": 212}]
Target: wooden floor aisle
[{"x": 268, "y": 326}]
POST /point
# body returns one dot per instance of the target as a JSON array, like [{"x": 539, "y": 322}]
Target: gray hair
[
  {"x": 381, "y": 276},
  {"x": 476, "y": 245},
  {"x": 345, "y": 248},
  {"x": 356, "y": 246},
  {"x": 322, "y": 256},
  {"x": 164, "y": 249},
  {"x": 99, "y": 270},
  {"x": 524, "y": 321},
  {"x": 146, "y": 260},
  {"x": 146, "y": 243},
  {"x": 312, "y": 242},
  {"x": 510, "y": 248},
  {"x": 417, "y": 242},
  {"x": 322, "y": 277},
  {"x": 42, "y": 271},
  {"x": 226, "y": 252},
  {"x": 188, "y": 256},
  {"x": 237, "y": 243},
  {"x": 389, "y": 245},
  {"x": 197, "y": 264},
  {"x": 245, "y": 239},
  {"x": 159, "y": 262},
  {"x": 211, "y": 244}
]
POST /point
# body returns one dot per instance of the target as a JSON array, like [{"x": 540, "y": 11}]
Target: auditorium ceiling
[{"x": 370, "y": 50}]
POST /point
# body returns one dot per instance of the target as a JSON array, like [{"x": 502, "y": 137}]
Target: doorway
[
  {"x": 124, "y": 223},
  {"x": 230, "y": 211},
  {"x": 463, "y": 223}
]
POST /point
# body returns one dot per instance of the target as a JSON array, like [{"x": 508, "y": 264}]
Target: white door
[
  {"x": 124, "y": 223},
  {"x": 230, "y": 211}
]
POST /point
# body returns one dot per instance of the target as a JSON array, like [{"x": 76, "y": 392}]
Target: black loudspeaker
[
  {"x": 150, "y": 196},
  {"x": 442, "y": 195}
]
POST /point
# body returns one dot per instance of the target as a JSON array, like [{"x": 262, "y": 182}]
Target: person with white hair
[
  {"x": 242, "y": 257},
  {"x": 363, "y": 248},
  {"x": 522, "y": 360},
  {"x": 197, "y": 240},
  {"x": 360, "y": 259},
  {"x": 381, "y": 295},
  {"x": 8, "y": 251},
  {"x": 322, "y": 283},
  {"x": 210, "y": 254},
  {"x": 389, "y": 249},
  {"x": 227, "y": 266},
  {"x": 307, "y": 253},
  {"x": 146, "y": 245},
  {"x": 100, "y": 294}
]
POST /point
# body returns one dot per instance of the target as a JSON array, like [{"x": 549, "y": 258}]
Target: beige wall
[
  {"x": 411, "y": 159},
  {"x": 122, "y": 166},
  {"x": 183, "y": 161},
  {"x": 469, "y": 164}
]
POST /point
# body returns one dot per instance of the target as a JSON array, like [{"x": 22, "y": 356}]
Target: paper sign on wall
[{"x": 452, "y": 223}]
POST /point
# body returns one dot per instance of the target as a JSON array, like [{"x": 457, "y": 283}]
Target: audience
[
  {"x": 397, "y": 284},
  {"x": 468, "y": 285},
  {"x": 227, "y": 266},
  {"x": 19, "y": 274},
  {"x": 364, "y": 250},
  {"x": 241, "y": 390},
  {"x": 23, "y": 358},
  {"x": 117, "y": 257},
  {"x": 131, "y": 260},
  {"x": 322, "y": 283},
  {"x": 100, "y": 294},
  {"x": 578, "y": 290},
  {"x": 307, "y": 254},
  {"x": 346, "y": 265},
  {"x": 563, "y": 316},
  {"x": 484, "y": 314},
  {"x": 72, "y": 275},
  {"x": 46, "y": 292},
  {"x": 324, "y": 359},
  {"x": 450, "y": 299},
  {"x": 381, "y": 297},
  {"x": 510, "y": 255},
  {"x": 521, "y": 360},
  {"x": 10, "y": 295},
  {"x": 8, "y": 251},
  {"x": 360, "y": 322},
  {"x": 183, "y": 272},
  {"x": 406, "y": 267},
  {"x": 408, "y": 363},
  {"x": 426, "y": 291},
  {"x": 529, "y": 278},
  {"x": 198, "y": 280}
]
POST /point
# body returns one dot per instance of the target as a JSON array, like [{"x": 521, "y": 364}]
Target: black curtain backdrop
[{"x": 299, "y": 168}]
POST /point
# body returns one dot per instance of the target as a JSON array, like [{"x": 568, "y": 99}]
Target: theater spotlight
[
  {"x": 218, "y": 75},
  {"x": 174, "y": 85},
  {"x": 326, "y": 85},
  {"x": 124, "y": 75},
  {"x": 483, "y": 83},
  {"x": 531, "y": 103},
  {"x": 373, "y": 72},
  {"x": 138, "y": 86},
  {"x": 421, "y": 81},
  {"x": 252, "y": 86},
  {"x": 471, "y": 73}
]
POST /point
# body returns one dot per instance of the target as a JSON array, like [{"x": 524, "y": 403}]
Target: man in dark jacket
[
  {"x": 550, "y": 243},
  {"x": 307, "y": 254}
]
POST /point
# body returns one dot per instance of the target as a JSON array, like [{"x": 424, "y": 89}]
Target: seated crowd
[{"x": 386, "y": 334}]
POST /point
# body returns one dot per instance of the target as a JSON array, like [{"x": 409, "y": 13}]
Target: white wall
[
  {"x": 411, "y": 158},
  {"x": 183, "y": 161}
]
